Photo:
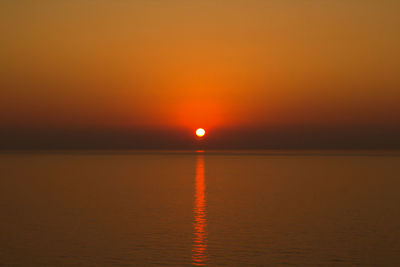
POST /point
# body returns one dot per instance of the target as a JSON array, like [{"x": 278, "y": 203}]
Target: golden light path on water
[{"x": 199, "y": 213}]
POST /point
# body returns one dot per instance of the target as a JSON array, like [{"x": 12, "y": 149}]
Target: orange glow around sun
[{"x": 200, "y": 132}]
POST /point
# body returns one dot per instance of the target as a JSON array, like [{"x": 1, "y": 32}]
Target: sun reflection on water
[{"x": 199, "y": 213}]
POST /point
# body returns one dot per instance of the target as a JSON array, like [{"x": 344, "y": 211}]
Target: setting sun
[{"x": 200, "y": 132}]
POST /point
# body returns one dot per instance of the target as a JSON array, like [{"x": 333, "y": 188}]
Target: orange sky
[{"x": 187, "y": 64}]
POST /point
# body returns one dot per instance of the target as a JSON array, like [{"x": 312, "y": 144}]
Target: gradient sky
[{"x": 313, "y": 68}]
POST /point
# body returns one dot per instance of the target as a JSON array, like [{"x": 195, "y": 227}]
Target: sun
[{"x": 200, "y": 132}]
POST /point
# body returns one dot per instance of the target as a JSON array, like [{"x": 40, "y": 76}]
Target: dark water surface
[{"x": 232, "y": 209}]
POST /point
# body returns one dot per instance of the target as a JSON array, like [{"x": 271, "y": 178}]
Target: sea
[{"x": 200, "y": 208}]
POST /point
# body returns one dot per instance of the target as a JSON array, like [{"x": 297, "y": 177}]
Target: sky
[{"x": 146, "y": 74}]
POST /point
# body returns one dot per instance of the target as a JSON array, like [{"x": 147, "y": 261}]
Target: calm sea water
[{"x": 232, "y": 209}]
